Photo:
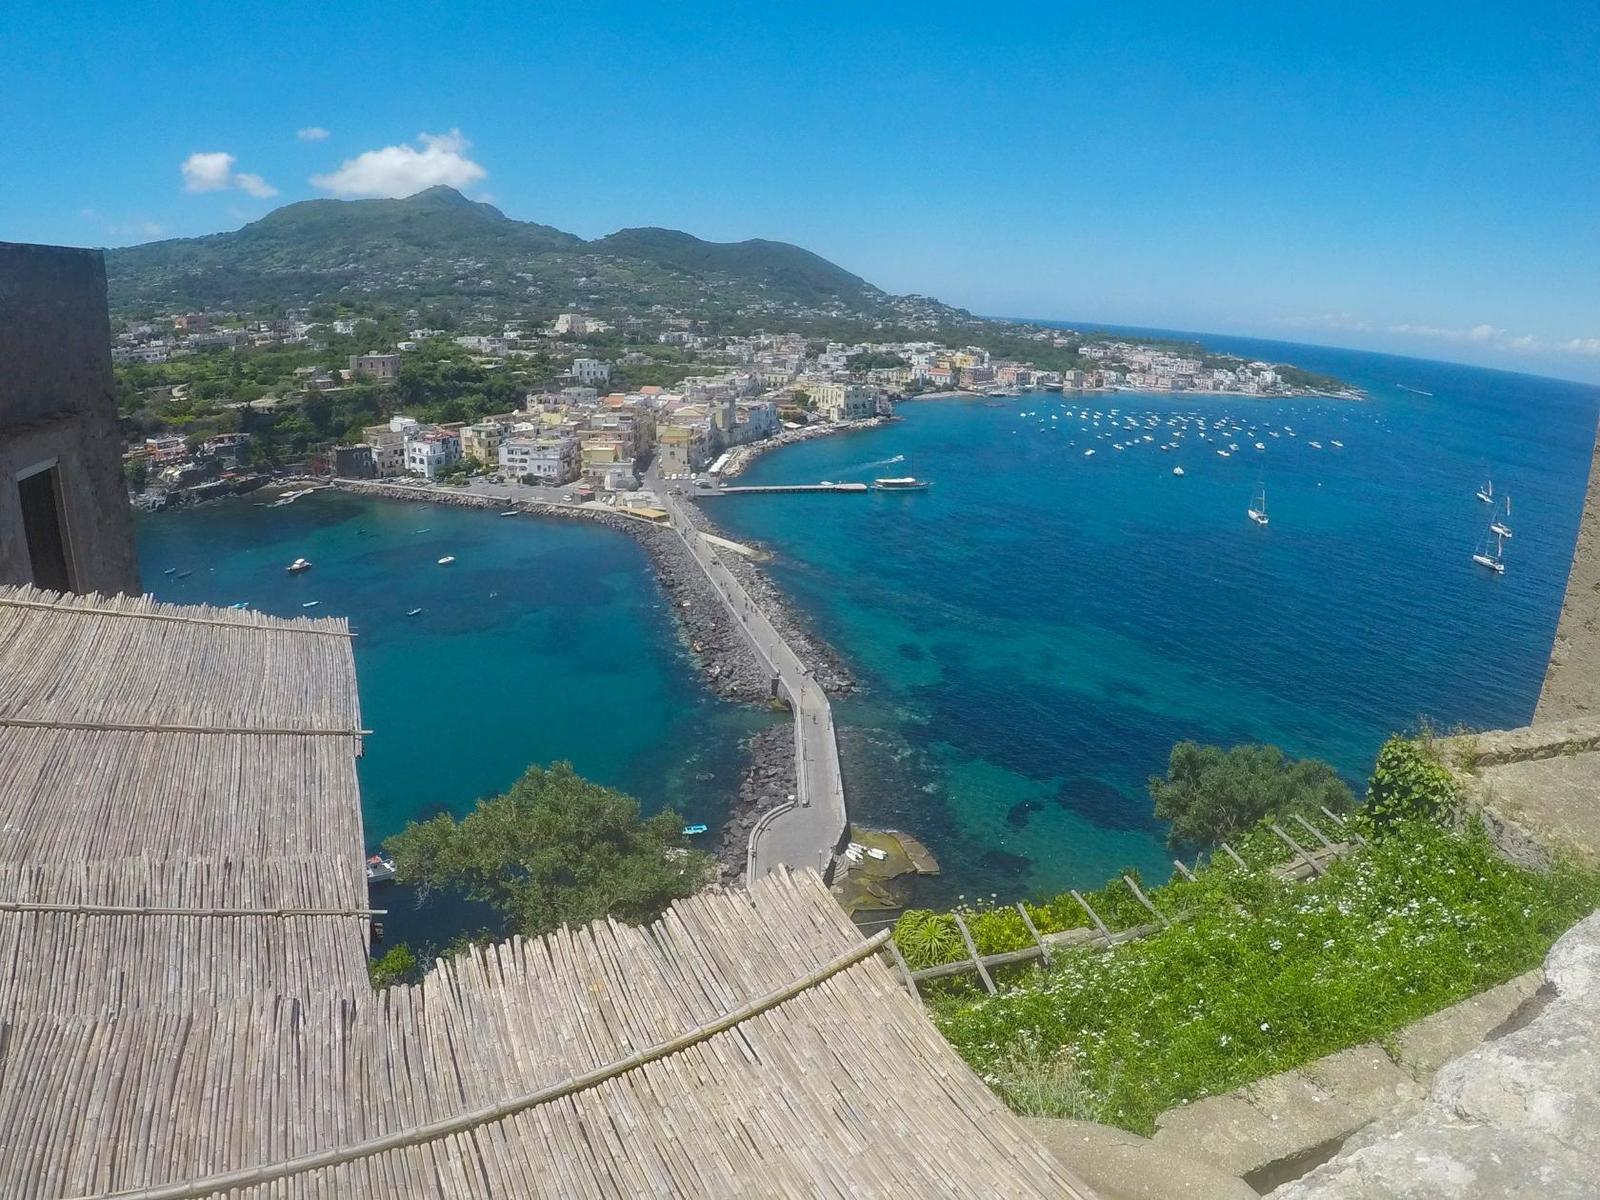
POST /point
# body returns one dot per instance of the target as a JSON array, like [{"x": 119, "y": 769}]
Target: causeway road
[{"x": 807, "y": 831}]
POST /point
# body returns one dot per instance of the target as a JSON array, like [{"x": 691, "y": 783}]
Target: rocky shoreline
[{"x": 768, "y": 782}]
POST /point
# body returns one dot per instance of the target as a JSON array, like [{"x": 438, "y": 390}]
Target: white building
[
  {"x": 551, "y": 460},
  {"x": 845, "y": 401},
  {"x": 428, "y": 451},
  {"x": 590, "y": 370}
]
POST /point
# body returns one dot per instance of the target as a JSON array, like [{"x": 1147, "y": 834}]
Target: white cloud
[
  {"x": 1587, "y": 346},
  {"x": 311, "y": 133},
  {"x": 1484, "y": 333},
  {"x": 254, "y": 185},
  {"x": 213, "y": 172},
  {"x": 207, "y": 172},
  {"x": 402, "y": 170}
]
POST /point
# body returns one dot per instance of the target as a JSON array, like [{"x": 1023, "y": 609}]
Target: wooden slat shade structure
[{"x": 748, "y": 1043}]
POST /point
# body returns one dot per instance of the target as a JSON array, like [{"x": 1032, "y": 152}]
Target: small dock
[{"x": 781, "y": 487}]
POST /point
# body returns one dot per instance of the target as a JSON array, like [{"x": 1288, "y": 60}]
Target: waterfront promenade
[{"x": 806, "y": 831}]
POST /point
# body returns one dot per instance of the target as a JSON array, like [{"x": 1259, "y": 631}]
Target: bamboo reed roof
[{"x": 747, "y": 1044}]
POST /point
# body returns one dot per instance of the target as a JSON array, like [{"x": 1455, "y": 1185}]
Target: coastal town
[{"x": 588, "y": 422}]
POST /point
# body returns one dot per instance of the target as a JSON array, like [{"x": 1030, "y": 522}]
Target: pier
[
  {"x": 768, "y": 489},
  {"x": 805, "y": 831}
]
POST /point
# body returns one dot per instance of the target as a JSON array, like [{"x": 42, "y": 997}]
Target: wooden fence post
[
  {"x": 1093, "y": 916},
  {"x": 1145, "y": 900},
  {"x": 972, "y": 950},
  {"x": 1028, "y": 921}
]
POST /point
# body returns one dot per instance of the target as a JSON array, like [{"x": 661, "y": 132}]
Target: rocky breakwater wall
[
  {"x": 768, "y": 782},
  {"x": 827, "y": 668}
]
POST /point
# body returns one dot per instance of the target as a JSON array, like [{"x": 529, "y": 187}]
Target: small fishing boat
[
  {"x": 241, "y": 605},
  {"x": 692, "y": 830},
  {"x": 1501, "y": 525},
  {"x": 447, "y": 560},
  {"x": 170, "y": 571},
  {"x": 511, "y": 512},
  {"x": 184, "y": 574},
  {"x": 311, "y": 603},
  {"x": 1177, "y": 470},
  {"x": 412, "y": 612},
  {"x": 380, "y": 868},
  {"x": 298, "y": 565},
  {"x": 1337, "y": 444},
  {"x": 1257, "y": 511},
  {"x": 424, "y": 529}
]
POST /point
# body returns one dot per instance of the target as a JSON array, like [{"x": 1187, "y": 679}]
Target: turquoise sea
[
  {"x": 1040, "y": 627},
  {"x": 1033, "y": 633},
  {"x": 545, "y": 640}
]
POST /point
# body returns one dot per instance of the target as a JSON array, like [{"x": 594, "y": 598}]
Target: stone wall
[
  {"x": 1572, "y": 679},
  {"x": 57, "y": 404}
]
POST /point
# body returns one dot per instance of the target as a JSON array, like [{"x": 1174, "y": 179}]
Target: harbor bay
[
  {"x": 1033, "y": 632},
  {"x": 1036, "y": 630}
]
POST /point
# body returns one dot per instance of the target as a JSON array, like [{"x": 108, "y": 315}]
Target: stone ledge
[
  {"x": 1123, "y": 1166},
  {"x": 1519, "y": 1116}
]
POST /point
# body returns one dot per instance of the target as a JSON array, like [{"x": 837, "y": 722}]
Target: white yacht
[
  {"x": 1486, "y": 492},
  {"x": 447, "y": 560},
  {"x": 298, "y": 565}
]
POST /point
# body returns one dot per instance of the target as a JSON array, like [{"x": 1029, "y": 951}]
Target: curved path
[{"x": 806, "y": 831}]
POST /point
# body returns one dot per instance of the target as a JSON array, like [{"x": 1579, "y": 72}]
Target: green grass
[{"x": 1423, "y": 918}]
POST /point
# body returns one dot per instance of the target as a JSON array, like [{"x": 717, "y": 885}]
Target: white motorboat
[
  {"x": 380, "y": 868},
  {"x": 1486, "y": 492},
  {"x": 447, "y": 560},
  {"x": 298, "y": 565},
  {"x": 906, "y": 483}
]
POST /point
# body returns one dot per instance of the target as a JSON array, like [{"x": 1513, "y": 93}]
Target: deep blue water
[
  {"x": 1040, "y": 627},
  {"x": 545, "y": 640}
]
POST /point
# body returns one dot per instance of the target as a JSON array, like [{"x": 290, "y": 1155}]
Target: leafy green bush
[
  {"x": 1265, "y": 975},
  {"x": 1408, "y": 781},
  {"x": 396, "y": 965},
  {"x": 1211, "y": 795}
]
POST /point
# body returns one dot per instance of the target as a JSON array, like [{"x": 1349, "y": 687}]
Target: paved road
[{"x": 806, "y": 833}]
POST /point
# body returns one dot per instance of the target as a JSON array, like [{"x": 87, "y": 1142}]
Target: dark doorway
[{"x": 43, "y": 530}]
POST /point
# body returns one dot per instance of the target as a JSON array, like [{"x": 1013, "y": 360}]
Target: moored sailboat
[
  {"x": 1493, "y": 559},
  {"x": 1502, "y": 525},
  {"x": 1257, "y": 511}
]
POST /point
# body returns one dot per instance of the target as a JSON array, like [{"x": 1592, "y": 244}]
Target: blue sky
[{"x": 1417, "y": 177}]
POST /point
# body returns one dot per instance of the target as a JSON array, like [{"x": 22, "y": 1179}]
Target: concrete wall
[
  {"x": 1572, "y": 680},
  {"x": 56, "y": 402}
]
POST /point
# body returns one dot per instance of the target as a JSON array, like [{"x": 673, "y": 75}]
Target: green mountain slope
[{"x": 438, "y": 246}]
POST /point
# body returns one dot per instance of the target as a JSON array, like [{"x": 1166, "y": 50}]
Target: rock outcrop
[{"x": 1517, "y": 1117}]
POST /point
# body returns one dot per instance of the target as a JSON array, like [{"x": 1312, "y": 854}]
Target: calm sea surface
[
  {"x": 1040, "y": 627},
  {"x": 1034, "y": 632},
  {"x": 545, "y": 640}
]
